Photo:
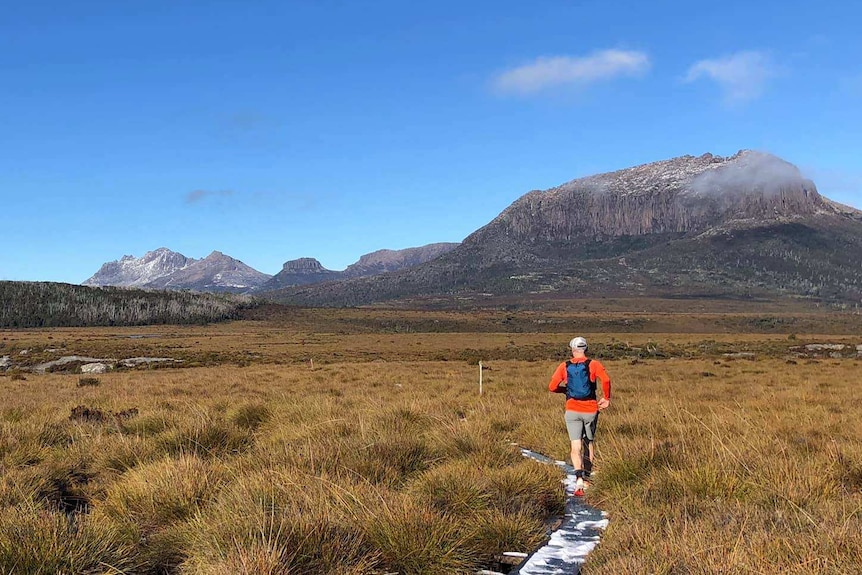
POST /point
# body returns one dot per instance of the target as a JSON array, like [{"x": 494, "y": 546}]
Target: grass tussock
[
  {"x": 492, "y": 532},
  {"x": 278, "y": 521},
  {"x": 151, "y": 505},
  {"x": 251, "y": 416},
  {"x": 158, "y": 494},
  {"x": 40, "y": 542},
  {"x": 411, "y": 537},
  {"x": 205, "y": 435}
]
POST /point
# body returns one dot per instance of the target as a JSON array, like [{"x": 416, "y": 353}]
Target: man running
[{"x": 577, "y": 379}]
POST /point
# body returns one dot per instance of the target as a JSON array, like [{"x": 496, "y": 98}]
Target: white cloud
[
  {"x": 742, "y": 76},
  {"x": 553, "y": 72}
]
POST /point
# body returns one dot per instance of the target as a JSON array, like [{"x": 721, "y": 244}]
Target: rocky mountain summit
[
  {"x": 130, "y": 271},
  {"x": 682, "y": 195},
  {"x": 739, "y": 225},
  {"x": 300, "y": 271},
  {"x": 215, "y": 273},
  {"x": 166, "y": 269}
]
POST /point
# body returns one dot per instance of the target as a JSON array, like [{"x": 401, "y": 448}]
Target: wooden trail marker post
[{"x": 480, "y": 378}]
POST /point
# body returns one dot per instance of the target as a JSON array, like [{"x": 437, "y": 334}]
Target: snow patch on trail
[{"x": 578, "y": 534}]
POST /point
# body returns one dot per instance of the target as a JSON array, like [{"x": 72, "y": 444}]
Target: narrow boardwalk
[{"x": 578, "y": 534}]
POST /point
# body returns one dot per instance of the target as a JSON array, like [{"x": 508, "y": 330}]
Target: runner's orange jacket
[{"x": 597, "y": 370}]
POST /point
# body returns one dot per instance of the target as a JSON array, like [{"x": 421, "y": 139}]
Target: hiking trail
[{"x": 576, "y": 536}]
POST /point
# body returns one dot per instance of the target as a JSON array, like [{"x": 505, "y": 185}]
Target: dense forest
[{"x": 48, "y": 304}]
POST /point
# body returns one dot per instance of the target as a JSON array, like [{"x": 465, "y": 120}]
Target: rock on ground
[
  {"x": 43, "y": 367},
  {"x": 825, "y": 346},
  {"x": 94, "y": 368}
]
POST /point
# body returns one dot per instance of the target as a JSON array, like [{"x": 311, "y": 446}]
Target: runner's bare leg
[{"x": 577, "y": 455}]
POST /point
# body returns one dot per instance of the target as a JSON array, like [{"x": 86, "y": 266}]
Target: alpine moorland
[{"x": 355, "y": 441}]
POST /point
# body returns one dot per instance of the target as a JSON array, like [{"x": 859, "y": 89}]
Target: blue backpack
[{"x": 578, "y": 384}]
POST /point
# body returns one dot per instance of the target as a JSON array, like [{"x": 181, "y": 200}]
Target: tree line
[{"x": 49, "y": 304}]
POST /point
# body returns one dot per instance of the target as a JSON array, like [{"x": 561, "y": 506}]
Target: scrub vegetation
[
  {"x": 49, "y": 304},
  {"x": 280, "y": 449}
]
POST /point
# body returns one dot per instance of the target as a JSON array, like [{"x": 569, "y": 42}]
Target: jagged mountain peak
[
  {"x": 216, "y": 272},
  {"x": 130, "y": 271},
  {"x": 163, "y": 268},
  {"x": 748, "y": 171}
]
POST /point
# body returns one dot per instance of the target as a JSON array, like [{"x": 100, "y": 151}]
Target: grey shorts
[{"x": 581, "y": 425}]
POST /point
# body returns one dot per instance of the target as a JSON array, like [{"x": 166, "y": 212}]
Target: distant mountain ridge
[
  {"x": 166, "y": 269},
  {"x": 383, "y": 261},
  {"x": 743, "y": 225},
  {"x": 306, "y": 271},
  {"x": 748, "y": 223}
]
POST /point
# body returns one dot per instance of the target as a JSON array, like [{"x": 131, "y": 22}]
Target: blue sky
[{"x": 271, "y": 130}]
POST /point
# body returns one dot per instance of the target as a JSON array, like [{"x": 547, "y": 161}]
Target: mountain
[
  {"x": 305, "y": 271},
  {"x": 164, "y": 269},
  {"x": 215, "y": 273},
  {"x": 130, "y": 271},
  {"x": 746, "y": 224},
  {"x": 301, "y": 271},
  {"x": 383, "y": 261}
]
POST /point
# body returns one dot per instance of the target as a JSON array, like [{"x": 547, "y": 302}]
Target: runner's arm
[
  {"x": 598, "y": 372},
  {"x": 558, "y": 378}
]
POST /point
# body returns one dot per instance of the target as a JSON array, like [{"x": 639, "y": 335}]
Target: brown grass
[
  {"x": 756, "y": 471},
  {"x": 394, "y": 464},
  {"x": 270, "y": 469}
]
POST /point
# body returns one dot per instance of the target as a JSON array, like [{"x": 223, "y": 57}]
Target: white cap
[{"x": 578, "y": 343}]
